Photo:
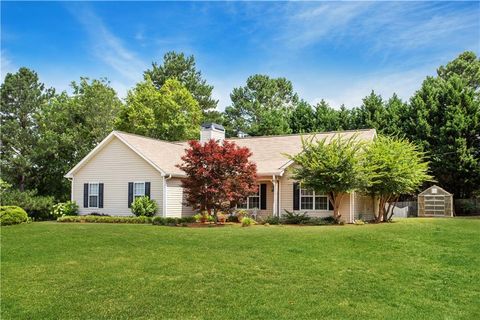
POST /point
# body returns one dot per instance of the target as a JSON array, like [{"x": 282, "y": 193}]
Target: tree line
[{"x": 44, "y": 133}]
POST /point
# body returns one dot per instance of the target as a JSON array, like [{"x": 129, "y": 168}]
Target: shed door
[{"x": 435, "y": 205}]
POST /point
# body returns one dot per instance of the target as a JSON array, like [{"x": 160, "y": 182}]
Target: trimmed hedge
[
  {"x": 12, "y": 215},
  {"x": 105, "y": 219},
  {"x": 169, "y": 221},
  {"x": 161, "y": 221}
]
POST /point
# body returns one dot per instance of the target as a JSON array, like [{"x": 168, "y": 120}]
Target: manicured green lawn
[{"x": 412, "y": 269}]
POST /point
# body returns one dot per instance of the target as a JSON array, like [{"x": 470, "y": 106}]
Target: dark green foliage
[
  {"x": 444, "y": 118},
  {"x": 159, "y": 221},
  {"x": 183, "y": 68},
  {"x": 302, "y": 118},
  {"x": 272, "y": 220},
  {"x": 70, "y": 126},
  {"x": 262, "y": 107},
  {"x": 12, "y": 215},
  {"x": 105, "y": 219},
  {"x": 37, "y": 207},
  {"x": 233, "y": 218},
  {"x": 22, "y": 97},
  {"x": 171, "y": 221},
  {"x": 292, "y": 217}
]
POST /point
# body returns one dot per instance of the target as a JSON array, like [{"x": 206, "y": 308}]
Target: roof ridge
[
  {"x": 300, "y": 134},
  {"x": 149, "y": 138}
]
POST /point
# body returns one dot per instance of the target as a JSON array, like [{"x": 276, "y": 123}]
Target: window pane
[
  {"x": 306, "y": 192},
  {"x": 242, "y": 205},
  {"x": 321, "y": 203},
  {"x": 140, "y": 189},
  {"x": 253, "y": 202},
  {"x": 93, "y": 201},
  {"x": 306, "y": 203},
  {"x": 93, "y": 188}
]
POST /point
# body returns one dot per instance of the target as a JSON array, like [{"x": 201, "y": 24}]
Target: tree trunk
[
  {"x": 376, "y": 208},
  {"x": 336, "y": 200},
  {"x": 21, "y": 183}
]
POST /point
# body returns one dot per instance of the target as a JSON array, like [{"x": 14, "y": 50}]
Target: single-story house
[{"x": 124, "y": 166}]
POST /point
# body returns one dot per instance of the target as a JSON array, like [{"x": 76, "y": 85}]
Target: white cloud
[
  {"x": 109, "y": 48},
  {"x": 6, "y": 65}
]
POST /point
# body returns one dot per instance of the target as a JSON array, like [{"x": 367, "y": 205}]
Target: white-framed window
[
  {"x": 309, "y": 200},
  {"x": 93, "y": 194},
  {"x": 138, "y": 189},
  {"x": 253, "y": 201}
]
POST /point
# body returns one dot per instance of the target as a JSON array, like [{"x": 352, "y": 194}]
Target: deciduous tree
[
  {"x": 70, "y": 126},
  {"x": 393, "y": 167},
  {"x": 219, "y": 175},
  {"x": 176, "y": 65},
  {"x": 331, "y": 166},
  {"x": 170, "y": 113}
]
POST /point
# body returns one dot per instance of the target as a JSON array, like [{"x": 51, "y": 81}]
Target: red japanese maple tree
[{"x": 219, "y": 175}]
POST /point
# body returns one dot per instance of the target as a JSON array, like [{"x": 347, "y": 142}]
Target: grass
[{"x": 412, "y": 269}]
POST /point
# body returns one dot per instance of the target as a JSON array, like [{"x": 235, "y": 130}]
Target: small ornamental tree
[
  {"x": 394, "y": 167},
  {"x": 219, "y": 175},
  {"x": 330, "y": 166}
]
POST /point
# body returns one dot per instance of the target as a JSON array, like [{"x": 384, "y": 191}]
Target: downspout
[
  {"x": 275, "y": 196},
  {"x": 71, "y": 188},
  {"x": 165, "y": 194}
]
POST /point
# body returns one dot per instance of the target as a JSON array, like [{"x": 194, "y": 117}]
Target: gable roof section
[
  {"x": 434, "y": 186},
  {"x": 147, "y": 148},
  {"x": 267, "y": 152}
]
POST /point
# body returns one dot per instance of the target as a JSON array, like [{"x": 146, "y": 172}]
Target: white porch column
[{"x": 275, "y": 197}]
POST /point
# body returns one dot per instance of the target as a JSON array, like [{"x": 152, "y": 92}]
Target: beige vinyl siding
[
  {"x": 269, "y": 210},
  {"x": 363, "y": 207},
  {"x": 115, "y": 165},
  {"x": 176, "y": 199},
  {"x": 286, "y": 201}
]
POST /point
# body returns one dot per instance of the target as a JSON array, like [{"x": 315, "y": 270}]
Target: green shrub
[
  {"x": 159, "y": 221},
  {"x": 271, "y": 220},
  {"x": 197, "y": 217},
  {"x": 246, "y": 222},
  {"x": 12, "y": 215},
  {"x": 144, "y": 206},
  {"x": 169, "y": 221},
  {"x": 188, "y": 219},
  {"x": 105, "y": 219},
  {"x": 69, "y": 208},
  {"x": 292, "y": 217},
  {"x": 37, "y": 207},
  {"x": 232, "y": 218},
  {"x": 359, "y": 222}
]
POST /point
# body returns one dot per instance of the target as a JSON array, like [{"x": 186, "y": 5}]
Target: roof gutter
[{"x": 165, "y": 194}]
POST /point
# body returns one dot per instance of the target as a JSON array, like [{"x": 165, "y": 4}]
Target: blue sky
[{"x": 330, "y": 50}]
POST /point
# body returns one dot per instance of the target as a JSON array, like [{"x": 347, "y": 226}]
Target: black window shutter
[
  {"x": 263, "y": 196},
  {"x": 147, "y": 189},
  {"x": 296, "y": 196},
  {"x": 130, "y": 194},
  {"x": 85, "y": 195},
  {"x": 100, "y": 195}
]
